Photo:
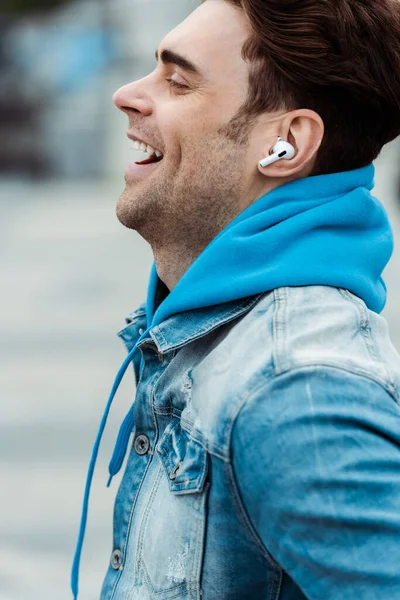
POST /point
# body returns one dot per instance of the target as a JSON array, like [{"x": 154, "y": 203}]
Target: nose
[{"x": 132, "y": 97}]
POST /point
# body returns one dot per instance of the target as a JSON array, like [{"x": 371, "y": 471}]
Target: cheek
[
  {"x": 195, "y": 115},
  {"x": 188, "y": 130}
]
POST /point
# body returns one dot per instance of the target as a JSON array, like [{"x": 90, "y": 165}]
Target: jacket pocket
[{"x": 172, "y": 533}]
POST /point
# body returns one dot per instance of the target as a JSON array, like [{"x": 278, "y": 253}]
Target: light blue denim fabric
[{"x": 282, "y": 412}]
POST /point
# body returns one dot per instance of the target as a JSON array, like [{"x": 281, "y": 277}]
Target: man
[{"x": 265, "y": 457}]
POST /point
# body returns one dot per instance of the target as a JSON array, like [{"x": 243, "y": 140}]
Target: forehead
[{"x": 212, "y": 37}]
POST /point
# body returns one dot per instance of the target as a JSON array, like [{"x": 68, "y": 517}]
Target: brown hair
[{"x": 340, "y": 58}]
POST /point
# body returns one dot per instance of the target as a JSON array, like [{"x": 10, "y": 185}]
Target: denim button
[
  {"x": 116, "y": 559},
  {"x": 142, "y": 444},
  {"x": 141, "y": 331},
  {"x": 174, "y": 471}
]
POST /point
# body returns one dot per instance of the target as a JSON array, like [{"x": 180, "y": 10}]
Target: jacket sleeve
[{"x": 316, "y": 457}]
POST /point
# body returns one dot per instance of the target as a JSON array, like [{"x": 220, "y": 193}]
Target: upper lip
[{"x": 135, "y": 138}]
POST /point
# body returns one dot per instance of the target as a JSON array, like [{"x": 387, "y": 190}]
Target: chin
[
  {"x": 132, "y": 211},
  {"x": 124, "y": 212}
]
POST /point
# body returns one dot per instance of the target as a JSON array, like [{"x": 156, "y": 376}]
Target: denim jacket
[{"x": 265, "y": 458}]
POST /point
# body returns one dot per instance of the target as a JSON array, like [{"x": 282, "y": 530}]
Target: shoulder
[
  {"x": 328, "y": 326},
  {"x": 334, "y": 384}
]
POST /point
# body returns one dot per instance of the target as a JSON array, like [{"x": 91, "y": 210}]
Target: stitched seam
[
  {"x": 200, "y": 534},
  {"x": 320, "y": 365},
  {"x": 352, "y": 371},
  {"x": 364, "y": 323},
  {"x": 212, "y": 448},
  {"x": 365, "y": 329},
  {"x": 279, "y": 584},
  {"x": 278, "y": 329},
  {"x": 162, "y": 335},
  {"x": 143, "y": 367},
  {"x": 165, "y": 409},
  {"x": 114, "y": 589},
  {"x": 246, "y": 521},
  {"x": 129, "y": 526},
  {"x": 202, "y": 552},
  {"x": 143, "y": 525},
  {"x": 128, "y": 530}
]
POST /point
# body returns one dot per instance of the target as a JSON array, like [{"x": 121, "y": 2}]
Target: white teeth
[{"x": 146, "y": 148}]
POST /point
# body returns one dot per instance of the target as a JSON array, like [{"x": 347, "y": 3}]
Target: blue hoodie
[{"x": 326, "y": 230}]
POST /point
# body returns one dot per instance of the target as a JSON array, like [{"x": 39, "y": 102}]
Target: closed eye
[{"x": 175, "y": 84}]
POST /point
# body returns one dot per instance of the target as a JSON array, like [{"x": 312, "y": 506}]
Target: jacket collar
[{"x": 180, "y": 329}]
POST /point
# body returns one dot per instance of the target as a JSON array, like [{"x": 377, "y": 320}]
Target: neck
[
  {"x": 174, "y": 256},
  {"x": 172, "y": 262}
]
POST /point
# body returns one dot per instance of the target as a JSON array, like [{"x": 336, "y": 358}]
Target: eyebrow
[{"x": 171, "y": 57}]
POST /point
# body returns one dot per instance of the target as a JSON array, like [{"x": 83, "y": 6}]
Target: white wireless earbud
[{"x": 281, "y": 149}]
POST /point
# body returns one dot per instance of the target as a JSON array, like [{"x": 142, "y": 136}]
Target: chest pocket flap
[{"x": 184, "y": 460}]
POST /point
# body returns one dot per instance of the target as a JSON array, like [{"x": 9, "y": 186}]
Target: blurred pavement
[{"x": 70, "y": 273}]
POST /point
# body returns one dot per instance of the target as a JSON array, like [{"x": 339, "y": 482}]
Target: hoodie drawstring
[
  {"x": 114, "y": 467},
  {"x": 121, "y": 444}
]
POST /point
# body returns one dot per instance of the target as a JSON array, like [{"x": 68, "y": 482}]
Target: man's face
[{"x": 206, "y": 174}]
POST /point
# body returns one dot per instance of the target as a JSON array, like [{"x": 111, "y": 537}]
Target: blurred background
[{"x": 70, "y": 273}]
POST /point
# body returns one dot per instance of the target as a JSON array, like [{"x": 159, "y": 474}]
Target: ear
[{"x": 304, "y": 129}]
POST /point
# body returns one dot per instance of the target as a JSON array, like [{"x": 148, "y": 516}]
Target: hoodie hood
[{"x": 326, "y": 230}]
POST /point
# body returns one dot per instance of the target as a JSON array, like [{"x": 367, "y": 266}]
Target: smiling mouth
[
  {"x": 147, "y": 153},
  {"x": 151, "y": 159}
]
